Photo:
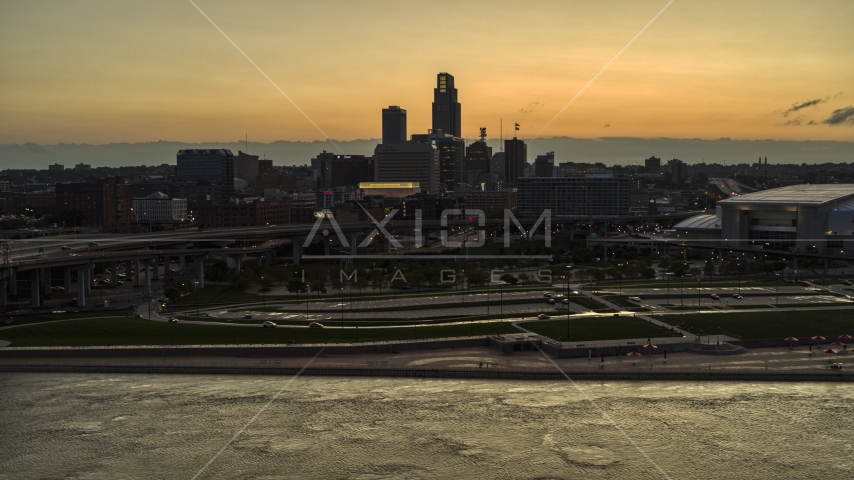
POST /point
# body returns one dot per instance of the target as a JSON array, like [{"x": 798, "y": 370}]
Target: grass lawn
[
  {"x": 766, "y": 325},
  {"x": 51, "y": 317},
  {"x": 217, "y": 294},
  {"x": 595, "y": 328},
  {"x": 135, "y": 331}
]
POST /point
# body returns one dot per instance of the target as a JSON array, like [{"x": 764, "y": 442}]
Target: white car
[
  {"x": 268, "y": 324},
  {"x": 542, "y": 316},
  {"x": 566, "y": 301},
  {"x": 635, "y": 299}
]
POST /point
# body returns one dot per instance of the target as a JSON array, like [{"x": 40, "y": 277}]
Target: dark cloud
[
  {"x": 36, "y": 148},
  {"x": 809, "y": 103},
  {"x": 607, "y": 125},
  {"x": 843, "y": 116},
  {"x": 531, "y": 107}
]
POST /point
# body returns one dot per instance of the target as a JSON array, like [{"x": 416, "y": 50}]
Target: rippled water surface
[{"x": 169, "y": 426}]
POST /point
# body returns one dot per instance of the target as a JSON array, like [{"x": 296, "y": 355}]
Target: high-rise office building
[
  {"x": 446, "y": 108},
  {"x": 678, "y": 170},
  {"x": 408, "y": 162},
  {"x": 479, "y": 157},
  {"x": 497, "y": 165},
  {"x": 452, "y": 156},
  {"x": 105, "y": 203},
  {"x": 394, "y": 124},
  {"x": 575, "y": 196},
  {"x": 652, "y": 164},
  {"x": 330, "y": 170},
  {"x": 246, "y": 167},
  {"x": 544, "y": 165},
  {"x": 202, "y": 165},
  {"x": 515, "y": 160}
]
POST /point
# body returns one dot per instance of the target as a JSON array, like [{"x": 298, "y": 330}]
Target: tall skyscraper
[
  {"x": 479, "y": 155},
  {"x": 452, "y": 156},
  {"x": 515, "y": 160},
  {"x": 544, "y": 165},
  {"x": 446, "y": 108},
  {"x": 394, "y": 124},
  {"x": 408, "y": 162}
]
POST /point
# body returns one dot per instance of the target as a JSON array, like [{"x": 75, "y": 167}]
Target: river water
[{"x": 98, "y": 426}]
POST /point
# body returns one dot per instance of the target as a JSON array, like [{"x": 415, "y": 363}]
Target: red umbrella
[
  {"x": 837, "y": 344},
  {"x": 830, "y": 350},
  {"x": 818, "y": 339},
  {"x": 790, "y": 339},
  {"x": 633, "y": 354},
  {"x": 649, "y": 345},
  {"x": 845, "y": 336}
]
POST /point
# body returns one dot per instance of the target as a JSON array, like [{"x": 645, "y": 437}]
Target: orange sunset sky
[{"x": 105, "y": 71}]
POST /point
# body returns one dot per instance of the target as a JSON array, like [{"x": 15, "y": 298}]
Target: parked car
[
  {"x": 846, "y": 282},
  {"x": 542, "y": 316},
  {"x": 268, "y": 324},
  {"x": 315, "y": 325}
]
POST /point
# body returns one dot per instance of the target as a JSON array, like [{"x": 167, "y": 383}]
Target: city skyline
[{"x": 138, "y": 73}]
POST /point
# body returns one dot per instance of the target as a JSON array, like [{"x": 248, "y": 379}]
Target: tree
[
  {"x": 648, "y": 273},
  {"x": 477, "y": 277},
  {"x": 510, "y": 279},
  {"x": 598, "y": 275},
  {"x": 240, "y": 283},
  {"x": 295, "y": 285},
  {"x": 709, "y": 268},
  {"x": 522, "y": 276},
  {"x": 266, "y": 282},
  {"x": 172, "y": 291},
  {"x": 318, "y": 286}
]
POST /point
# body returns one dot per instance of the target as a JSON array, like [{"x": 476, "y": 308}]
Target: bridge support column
[
  {"x": 155, "y": 264},
  {"x": 147, "y": 287},
  {"x": 46, "y": 281},
  {"x": 66, "y": 281},
  {"x": 82, "y": 273},
  {"x": 238, "y": 264},
  {"x": 137, "y": 278},
  {"x": 88, "y": 277},
  {"x": 35, "y": 301},
  {"x": 297, "y": 244},
  {"x": 268, "y": 258},
  {"x": 114, "y": 274},
  {"x": 354, "y": 244},
  {"x": 181, "y": 263},
  {"x": 13, "y": 282},
  {"x": 199, "y": 267}
]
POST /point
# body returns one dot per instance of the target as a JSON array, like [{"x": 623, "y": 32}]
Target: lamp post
[
  {"x": 263, "y": 295},
  {"x": 342, "y": 308}
]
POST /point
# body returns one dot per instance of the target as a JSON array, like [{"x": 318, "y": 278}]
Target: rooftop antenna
[
  {"x": 501, "y": 138},
  {"x": 483, "y": 134}
]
